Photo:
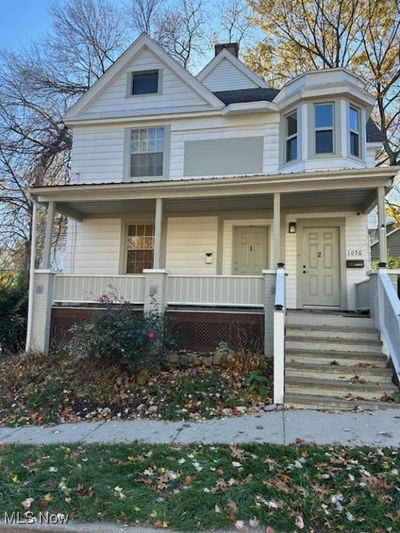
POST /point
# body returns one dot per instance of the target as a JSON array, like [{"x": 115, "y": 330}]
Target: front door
[
  {"x": 249, "y": 250},
  {"x": 320, "y": 267}
]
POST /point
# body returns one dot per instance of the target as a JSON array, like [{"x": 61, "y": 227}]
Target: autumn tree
[
  {"x": 360, "y": 35},
  {"x": 37, "y": 85}
]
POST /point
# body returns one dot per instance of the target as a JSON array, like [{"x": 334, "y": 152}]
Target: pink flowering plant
[
  {"x": 104, "y": 299},
  {"x": 121, "y": 334}
]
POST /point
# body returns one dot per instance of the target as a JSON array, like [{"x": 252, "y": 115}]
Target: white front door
[
  {"x": 249, "y": 250},
  {"x": 319, "y": 273}
]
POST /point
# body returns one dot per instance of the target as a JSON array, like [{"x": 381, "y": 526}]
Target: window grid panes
[
  {"x": 291, "y": 136},
  {"x": 147, "y": 151},
  {"x": 354, "y": 126},
  {"x": 145, "y": 82},
  {"x": 140, "y": 247},
  {"x": 324, "y": 128}
]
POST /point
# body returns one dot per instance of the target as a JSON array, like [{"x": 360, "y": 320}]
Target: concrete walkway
[{"x": 378, "y": 428}]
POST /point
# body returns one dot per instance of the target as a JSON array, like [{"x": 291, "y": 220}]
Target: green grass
[{"x": 205, "y": 487}]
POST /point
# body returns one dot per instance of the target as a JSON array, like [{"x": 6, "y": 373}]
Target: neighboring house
[
  {"x": 393, "y": 242},
  {"x": 193, "y": 189}
]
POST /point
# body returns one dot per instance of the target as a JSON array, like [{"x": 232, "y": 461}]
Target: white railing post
[
  {"x": 279, "y": 336},
  {"x": 155, "y": 290}
]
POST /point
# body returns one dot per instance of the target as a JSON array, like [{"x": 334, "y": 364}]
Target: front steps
[{"x": 335, "y": 361}]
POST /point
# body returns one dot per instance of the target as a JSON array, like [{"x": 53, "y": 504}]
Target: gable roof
[
  {"x": 142, "y": 42},
  {"x": 225, "y": 54}
]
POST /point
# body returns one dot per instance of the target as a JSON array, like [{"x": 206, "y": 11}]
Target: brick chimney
[{"x": 233, "y": 48}]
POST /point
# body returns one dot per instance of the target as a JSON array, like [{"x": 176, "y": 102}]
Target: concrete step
[
  {"x": 327, "y": 371},
  {"x": 375, "y": 359},
  {"x": 332, "y": 332},
  {"x": 305, "y": 318},
  {"x": 311, "y": 401},
  {"x": 340, "y": 389},
  {"x": 311, "y": 343}
]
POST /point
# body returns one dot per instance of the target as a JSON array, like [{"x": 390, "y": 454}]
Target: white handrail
[
  {"x": 279, "y": 336},
  {"x": 389, "y": 318}
]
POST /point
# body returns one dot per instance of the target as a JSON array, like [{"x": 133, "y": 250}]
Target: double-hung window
[
  {"x": 291, "y": 136},
  {"x": 324, "y": 128},
  {"x": 140, "y": 248},
  {"x": 146, "y": 152},
  {"x": 354, "y": 131}
]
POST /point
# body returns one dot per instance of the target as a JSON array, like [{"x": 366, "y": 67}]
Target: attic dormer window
[{"x": 145, "y": 82}]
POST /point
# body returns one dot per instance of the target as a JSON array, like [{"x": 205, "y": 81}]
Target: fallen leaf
[
  {"x": 239, "y": 525},
  {"x": 299, "y": 522},
  {"x": 27, "y": 503},
  {"x": 254, "y": 522}
]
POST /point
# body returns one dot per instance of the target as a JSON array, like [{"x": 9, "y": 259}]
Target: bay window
[
  {"x": 354, "y": 131},
  {"x": 324, "y": 126},
  {"x": 291, "y": 136}
]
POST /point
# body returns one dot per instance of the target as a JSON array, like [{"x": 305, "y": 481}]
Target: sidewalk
[{"x": 378, "y": 428}]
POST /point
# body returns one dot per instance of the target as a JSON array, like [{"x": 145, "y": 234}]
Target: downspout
[{"x": 31, "y": 277}]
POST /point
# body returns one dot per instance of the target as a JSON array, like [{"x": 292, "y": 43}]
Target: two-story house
[{"x": 191, "y": 190}]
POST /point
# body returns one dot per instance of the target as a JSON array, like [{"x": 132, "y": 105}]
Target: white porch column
[
  {"x": 277, "y": 229},
  {"x": 382, "y": 227},
  {"x": 157, "y": 234},
  {"x": 46, "y": 257},
  {"x": 28, "y": 344}
]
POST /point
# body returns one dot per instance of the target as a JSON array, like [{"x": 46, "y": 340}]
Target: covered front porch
[{"x": 211, "y": 245}]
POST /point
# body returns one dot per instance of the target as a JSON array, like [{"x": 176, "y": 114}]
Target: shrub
[
  {"x": 13, "y": 313},
  {"x": 137, "y": 341}
]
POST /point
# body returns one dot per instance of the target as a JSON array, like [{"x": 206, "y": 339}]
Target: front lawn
[
  {"x": 38, "y": 389},
  {"x": 283, "y": 489}
]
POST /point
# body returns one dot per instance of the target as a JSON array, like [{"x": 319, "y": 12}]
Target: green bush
[
  {"x": 136, "y": 340},
  {"x": 13, "y": 312}
]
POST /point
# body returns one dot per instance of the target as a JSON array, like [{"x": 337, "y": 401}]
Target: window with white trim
[
  {"x": 291, "y": 136},
  {"x": 140, "y": 248},
  {"x": 354, "y": 131},
  {"x": 146, "y": 152},
  {"x": 324, "y": 127}
]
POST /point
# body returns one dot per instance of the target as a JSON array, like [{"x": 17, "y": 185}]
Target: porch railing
[
  {"x": 216, "y": 290},
  {"x": 71, "y": 288},
  {"x": 389, "y": 318},
  {"x": 181, "y": 290},
  {"x": 279, "y": 336}
]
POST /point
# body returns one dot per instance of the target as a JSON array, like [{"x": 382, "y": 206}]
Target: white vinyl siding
[
  {"x": 225, "y": 77},
  {"x": 93, "y": 246},
  {"x": 188, "y": 240},
  {"x": 356, "y": 238},
  {"x": 174, "y": 92},
  {"x": 97, "y": 154}
]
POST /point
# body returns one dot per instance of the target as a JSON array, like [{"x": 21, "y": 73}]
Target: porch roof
[{"x": 339, "y": 190}]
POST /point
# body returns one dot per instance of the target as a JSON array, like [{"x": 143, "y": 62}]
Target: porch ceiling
[
  {"x": 341, "y": 190},
  {"x": 331, "y": 200}
]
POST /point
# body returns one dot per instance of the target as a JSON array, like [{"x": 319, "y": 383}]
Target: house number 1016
[{"x": 354, "y": 253}]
